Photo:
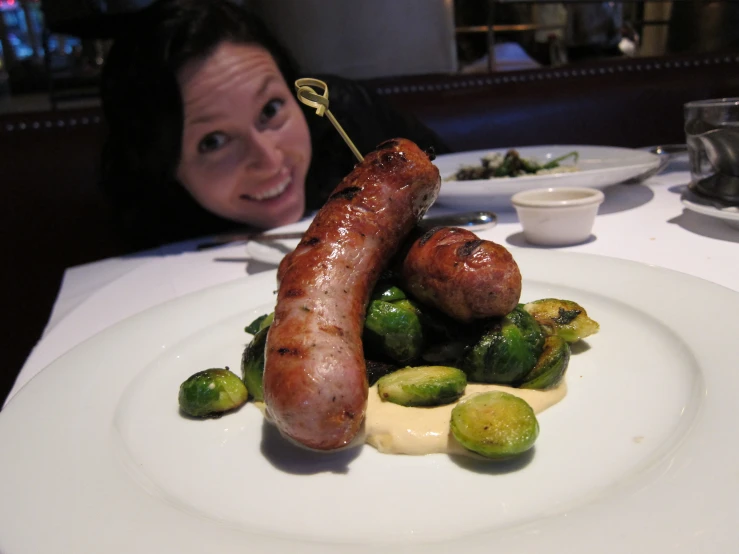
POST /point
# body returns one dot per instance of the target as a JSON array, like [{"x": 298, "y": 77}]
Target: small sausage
[
  {"x": 315, "y": 382},
  {"x": 462, "y": 275}
]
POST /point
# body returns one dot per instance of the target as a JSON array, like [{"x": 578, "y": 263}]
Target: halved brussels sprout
[
  {"x": 506, "y": 352},
  {"x": 212, "y": 392},
  {"x": 252, "y": 364},
  {"x": 422, "y": 386},
  {"x": 551, "y": 366},
  {"x": 494, "y": 424},
  {"x": 565, "y": 318}
]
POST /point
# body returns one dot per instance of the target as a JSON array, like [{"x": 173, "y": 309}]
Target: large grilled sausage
[
  {"x": 315, "y": 384},
  {"x": 462, "y": 275}
]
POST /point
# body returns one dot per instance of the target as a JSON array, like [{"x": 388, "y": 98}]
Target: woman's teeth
[{"x": 271, "y": 193}]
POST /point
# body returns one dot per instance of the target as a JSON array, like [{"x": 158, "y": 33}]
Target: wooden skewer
[{"x": 308, "y": 96}]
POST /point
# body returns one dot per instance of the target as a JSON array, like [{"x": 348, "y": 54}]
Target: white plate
[
  {"x": 640, "y": 456},
  {"x": 600, "y": 166},
  {"x": 729, "y": 215}
]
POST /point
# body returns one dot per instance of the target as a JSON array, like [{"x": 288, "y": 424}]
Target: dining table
[
  {"x": 643, "y": 478},
  {"x": 643, "y": 222}
]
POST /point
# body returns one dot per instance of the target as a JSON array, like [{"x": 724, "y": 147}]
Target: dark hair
[{"x": 143, "y": 110}]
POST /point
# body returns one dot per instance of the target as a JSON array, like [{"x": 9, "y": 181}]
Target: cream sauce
[{"x": 395, "y": 429}]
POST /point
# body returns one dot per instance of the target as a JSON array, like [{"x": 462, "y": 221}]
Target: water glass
[{"x": 712, "y": 136}]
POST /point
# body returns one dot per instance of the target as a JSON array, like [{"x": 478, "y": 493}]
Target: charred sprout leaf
[
  {"x": 212, "y": 392},
  {"x": 555, "y": 162},
  {"x": 496, "y": 424},
  {"x": 259, "y": 323},
  {"x": 252, "y": 364},
  {"x": 506, "y": 352},
  {"x": 551, "y": 366},
  {"x": 422, "y": 386},
  {"x": 392, "y": 331},
  {"x": 565, "y": 318},
  {"x": 530, "y": 330}
]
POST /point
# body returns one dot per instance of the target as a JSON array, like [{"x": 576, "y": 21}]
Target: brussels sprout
[
  {"x": 422, "y": 386},
  {"x": 212, "y": 392},
  {"x": 252, "y": 364},
  {"x": 392, "y": 331},
  {"x": 506, "y": 352},
  {"x": 259, "y": 323},
  {"x": 388, "y": 293},
  {"x": 530, "y": 329},
  {"x": 551, "y": 366},
  {"x": 494, "y": 424},
  {"x": 565, "y": 318}
]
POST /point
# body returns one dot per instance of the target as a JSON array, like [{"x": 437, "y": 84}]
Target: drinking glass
[{"x": 712, "y": 136}]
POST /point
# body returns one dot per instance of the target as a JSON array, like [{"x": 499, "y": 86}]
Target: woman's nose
[{"x": 264, "y": 151}]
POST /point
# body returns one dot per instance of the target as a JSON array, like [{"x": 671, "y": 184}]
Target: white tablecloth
[{"x": 645, "y": 223}]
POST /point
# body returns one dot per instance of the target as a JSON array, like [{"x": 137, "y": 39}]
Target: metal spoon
[{"x": 472, "y": 221}]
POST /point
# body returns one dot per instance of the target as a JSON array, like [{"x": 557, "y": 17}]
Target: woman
[{"x": 205, "y": 132}]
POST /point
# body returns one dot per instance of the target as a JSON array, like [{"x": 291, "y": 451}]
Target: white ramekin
[{"x": 557, "y": 216}]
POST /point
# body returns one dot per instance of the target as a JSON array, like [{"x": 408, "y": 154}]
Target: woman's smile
[{"x": 271, "y": 191}]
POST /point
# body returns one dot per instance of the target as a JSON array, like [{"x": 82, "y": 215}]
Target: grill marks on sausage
[
  {"x": 386, "y": 160},
  {"x": 427, "y": 235},
  {"x": 311, "y": 241},
  {"x": 468, "y": 248},
  {"x": 315, "y": 386},
  {"x": 347, "y": 193},
  {"x": 333, "y": 330},
  {"x": 391, "y": 143}
]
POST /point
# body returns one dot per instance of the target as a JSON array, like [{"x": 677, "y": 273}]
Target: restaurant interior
[
  {"x": 481, "y": 73},
  {"x": 365, "y": 378}
]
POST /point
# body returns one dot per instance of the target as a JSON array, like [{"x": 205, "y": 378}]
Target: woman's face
[{"x": 245, "y": 144}]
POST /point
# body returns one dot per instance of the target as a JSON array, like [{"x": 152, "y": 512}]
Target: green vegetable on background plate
[{"x": 509, "y": 165}]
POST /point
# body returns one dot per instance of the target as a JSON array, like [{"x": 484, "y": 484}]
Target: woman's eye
[
  {"x": 211, "y": 142},
  {"x": 270, "y": 110}
]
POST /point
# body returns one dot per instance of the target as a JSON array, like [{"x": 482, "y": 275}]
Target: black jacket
[{"x": 368, "y": 119}]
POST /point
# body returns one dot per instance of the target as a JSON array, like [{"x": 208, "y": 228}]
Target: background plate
[
  {"x": 599, "y": 166},
  {"x": 96, "y": 458},
  {"x": 729, "y": 214}
]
